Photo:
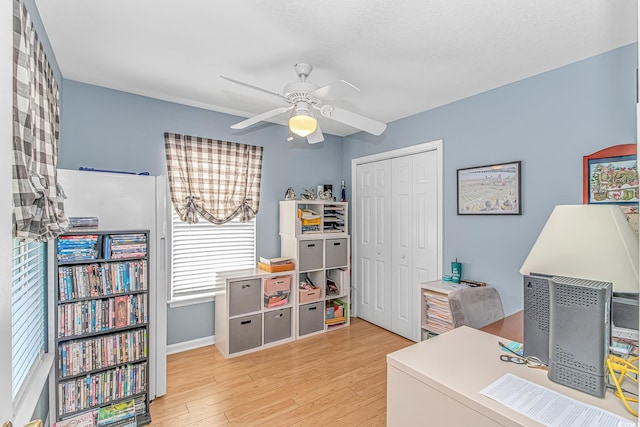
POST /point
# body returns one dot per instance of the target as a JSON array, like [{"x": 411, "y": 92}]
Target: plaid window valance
[
  {"x": 216, "y": 180},
  {"x": 38, "y": 210}
]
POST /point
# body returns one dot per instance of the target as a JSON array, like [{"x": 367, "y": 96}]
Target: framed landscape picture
[{"x": 490, "y": 190}]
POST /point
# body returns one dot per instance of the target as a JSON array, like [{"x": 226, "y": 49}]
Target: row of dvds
[
  {"x": 79, "y": 357},
  {"x": 101, "y": 388},
  {"x": 89, "y": 316},
  {"x": 119, "y": 246},
  {"x": 128, "y": 238},
  {"x": 83, "y": 247},
  {"x": 96, "y": 280},
  {"x": 80, "y": 247}
]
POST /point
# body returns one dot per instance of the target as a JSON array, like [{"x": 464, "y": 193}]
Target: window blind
[
  {"x": 202, "y": 249},
  {"x": 29, "y": 309}
]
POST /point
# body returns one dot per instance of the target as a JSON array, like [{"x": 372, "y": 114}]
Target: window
[
  {"x": 29, "y": 309},
  {"x": 200, "y": 250}
]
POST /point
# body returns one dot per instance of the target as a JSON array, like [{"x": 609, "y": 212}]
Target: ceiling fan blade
[
  {"x": 260, "y": 117},
  {"x": 337, "y": 89},
  {"x": 238, "y": 82},
  {"x": 352, "y": 119},
  {"x": 316, "y": 136}
]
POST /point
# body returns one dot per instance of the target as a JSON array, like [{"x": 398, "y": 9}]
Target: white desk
[{"x": 438, "y": 382}]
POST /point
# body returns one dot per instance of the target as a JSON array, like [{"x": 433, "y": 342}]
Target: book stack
[
  {"x": 438, "y": 313},
  {"x": 79, "y": 247},
  {"x": 275, "y": 264},
  {"x": 121, "y": 414},
  {"x": 122, "y": 246}
]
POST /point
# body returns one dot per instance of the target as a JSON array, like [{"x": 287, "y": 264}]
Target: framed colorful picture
[
  {"x": 611, "y": 176},
  {"x": 490, "y": 190}
]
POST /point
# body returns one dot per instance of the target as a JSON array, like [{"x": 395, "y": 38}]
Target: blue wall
[
  {"x": 549, "y": 122},
  {"x": 109, "y": 129}
]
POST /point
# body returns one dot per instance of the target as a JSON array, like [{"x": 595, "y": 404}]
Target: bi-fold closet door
[{"x": 397, "y": 238}]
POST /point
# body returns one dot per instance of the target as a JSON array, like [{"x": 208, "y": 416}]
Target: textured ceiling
[{"x": 405, "y": 56}]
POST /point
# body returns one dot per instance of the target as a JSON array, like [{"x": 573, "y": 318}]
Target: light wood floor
[{"x": 336, "y": 378}]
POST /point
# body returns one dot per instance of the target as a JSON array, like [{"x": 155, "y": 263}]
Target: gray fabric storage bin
[
  {"x": 336, "y": 251},
  {"x": 311, "y": 317},
  {"x": 310, "y": 253},
  {"x": 245, "y": 333},
  {"x": 277, "y": 325},
  {"x": 245, "y": 296}
]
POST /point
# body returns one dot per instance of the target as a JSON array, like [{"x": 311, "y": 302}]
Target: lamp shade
[
  {"x": 303, "y": 124},
  {"x": 588, "y": 242}
]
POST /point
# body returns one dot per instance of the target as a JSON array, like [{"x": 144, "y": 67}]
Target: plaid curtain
[
  {"x": 217, "y": 180},
  {"x": 38, "y": 210}
]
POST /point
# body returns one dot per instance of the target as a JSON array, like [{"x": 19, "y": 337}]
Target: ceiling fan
[{"x": 304, "y": 96}]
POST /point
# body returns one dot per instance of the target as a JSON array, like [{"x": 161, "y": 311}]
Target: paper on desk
[{"x": 549, "y": 407}]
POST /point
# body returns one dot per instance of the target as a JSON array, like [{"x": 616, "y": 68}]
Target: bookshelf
[
  {"x": 101, "y": 318},
  {"x": 321, "y": 251}
]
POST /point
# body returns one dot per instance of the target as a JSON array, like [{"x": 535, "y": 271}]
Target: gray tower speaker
[
  {"x": 536, "y": 317},
  {"x": 579, "y": 333}
]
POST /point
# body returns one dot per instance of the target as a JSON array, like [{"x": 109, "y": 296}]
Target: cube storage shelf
[
  {"x": 322, "y": 257},
  {"x": 254, "y": 310},
  {"x": 101, "y": 318}
]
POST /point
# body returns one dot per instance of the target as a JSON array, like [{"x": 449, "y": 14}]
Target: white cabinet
[
  {"x": 314, "y": 234},
  {"x": 254, "y": 310}
]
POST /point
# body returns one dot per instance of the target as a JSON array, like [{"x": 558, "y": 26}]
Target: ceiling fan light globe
[{"x": 303, "y": 125}]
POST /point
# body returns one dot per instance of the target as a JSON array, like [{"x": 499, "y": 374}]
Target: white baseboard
[{"x": 190, "y": 345}]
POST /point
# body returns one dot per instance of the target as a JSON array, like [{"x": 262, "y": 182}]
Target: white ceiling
[{"x": 406, "y": 56}]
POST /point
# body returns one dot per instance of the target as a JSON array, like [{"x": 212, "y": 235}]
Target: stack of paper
[{"x": 438, "y": 313}]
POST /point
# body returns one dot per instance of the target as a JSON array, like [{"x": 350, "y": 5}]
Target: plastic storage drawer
[
  {"x": 275, "y": 284},
  {"x": 308, "y": 295},
  {"x": 310, "y": 253},
  {"x": 311, "y": 318},
  {"x": 245, "y": 296},
  {"x": 245, "y": 333},
  {"x": 277, "y": 325},
  {"x": 336, "y": 253}
]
